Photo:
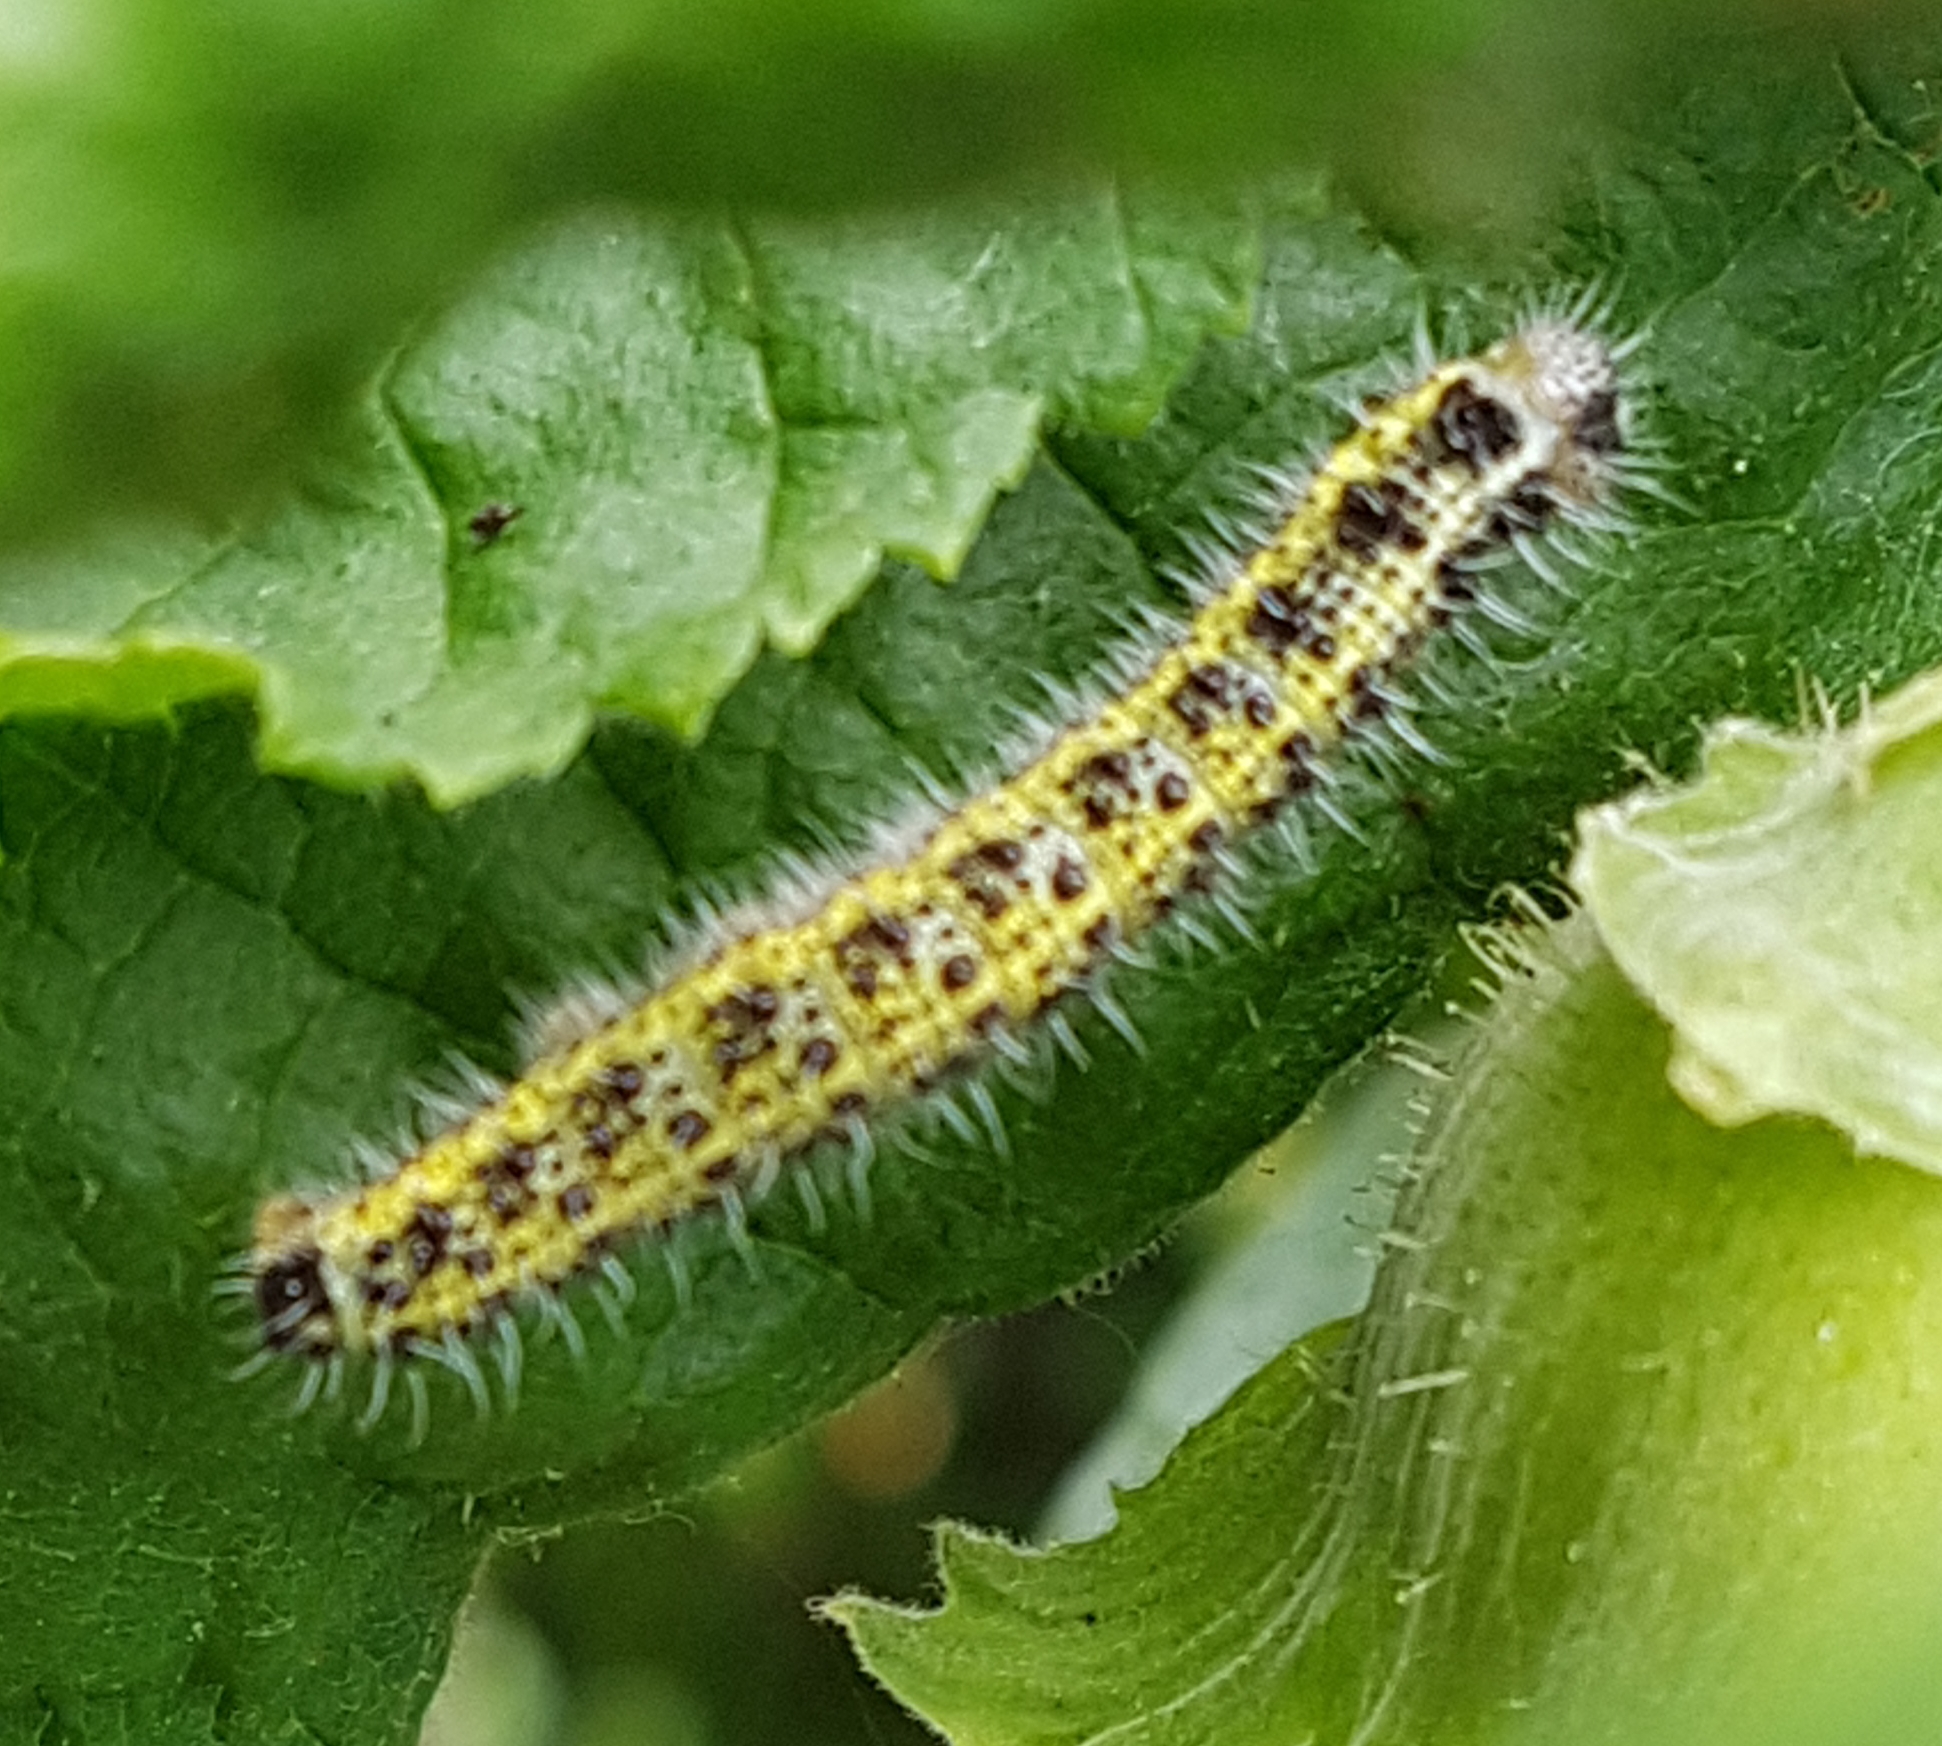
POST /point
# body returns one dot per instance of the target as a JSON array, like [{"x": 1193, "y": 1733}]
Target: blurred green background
[{"x": 217, "y": 216}]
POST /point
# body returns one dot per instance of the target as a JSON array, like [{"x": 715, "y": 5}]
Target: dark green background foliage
[{"x": 213, "y": 978}]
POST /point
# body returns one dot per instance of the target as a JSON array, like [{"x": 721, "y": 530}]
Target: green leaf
[
  {"x": 1782, "y": 914},
  {"x": 211, "y": 978},
  {"x": 1066, "y": 1645},
  {"x": 631, "y": 456},
  {"x": 1634, "y": 1443}
]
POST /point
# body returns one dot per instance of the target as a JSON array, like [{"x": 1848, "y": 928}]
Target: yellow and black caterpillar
[{"x": 796, "y": 1030}]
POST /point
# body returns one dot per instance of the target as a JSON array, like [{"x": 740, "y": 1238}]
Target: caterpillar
[{"x": 788, "y": 1033}]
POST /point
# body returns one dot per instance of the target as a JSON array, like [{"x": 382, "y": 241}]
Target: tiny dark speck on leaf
[{"x": 491, "y": 522}]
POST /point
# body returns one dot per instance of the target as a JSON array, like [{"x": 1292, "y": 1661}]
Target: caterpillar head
[{"x": 289, "y": 1283}]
